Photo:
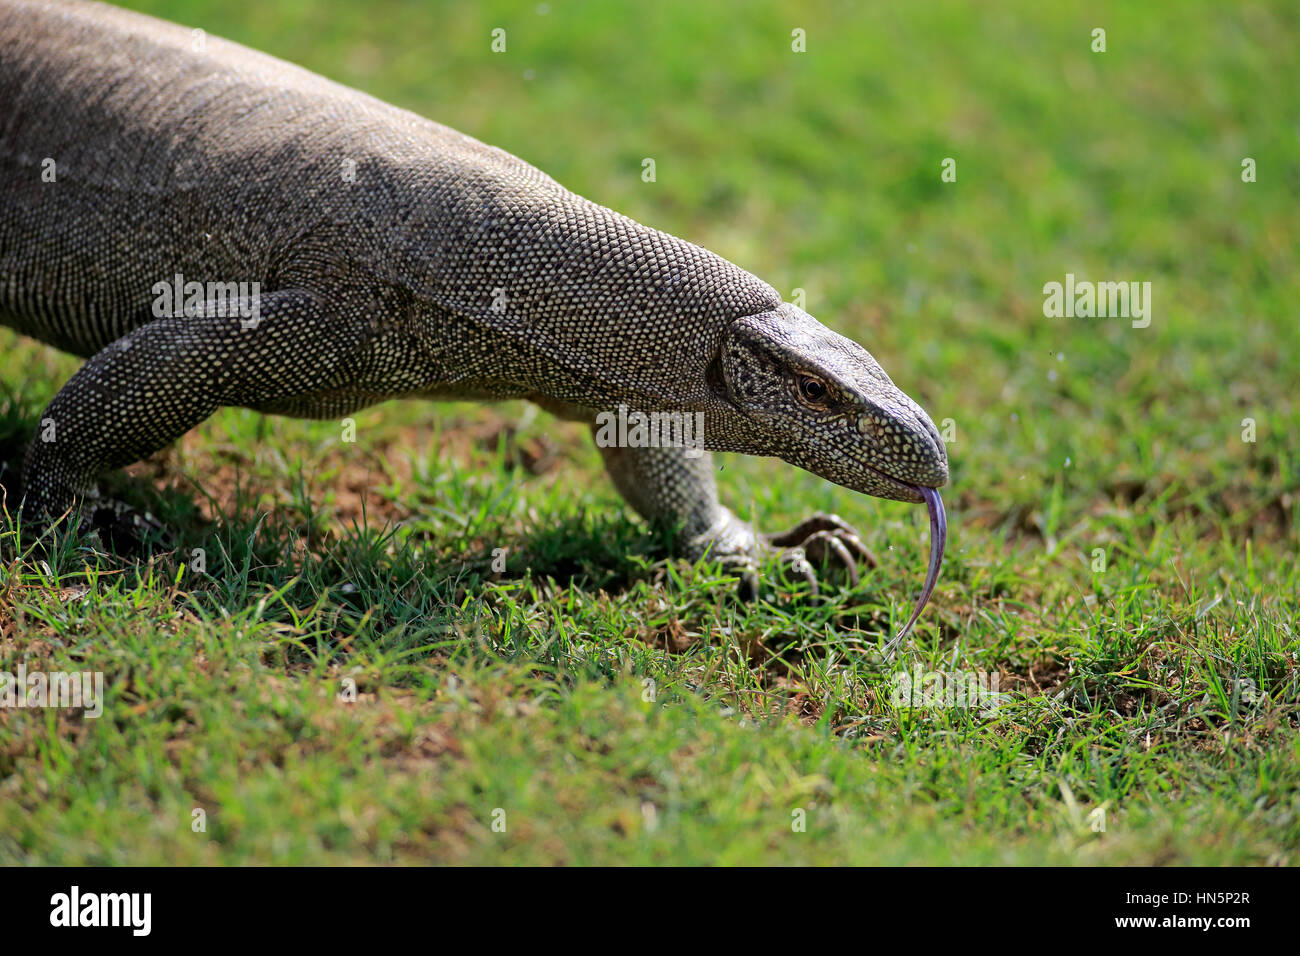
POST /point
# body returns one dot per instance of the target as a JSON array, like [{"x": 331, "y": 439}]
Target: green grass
[{"x": 1163, "y": 689}]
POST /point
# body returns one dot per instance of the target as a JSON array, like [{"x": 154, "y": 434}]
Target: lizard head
[{"x": 821, "y": 402}]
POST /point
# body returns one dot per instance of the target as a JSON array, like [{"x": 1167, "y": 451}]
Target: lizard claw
[
  {"x": 814, "y": 541},
  {"x": 104, "y": 523},
  {"x": 124, "y": 529},
  {"x": 819, "y": 538}
]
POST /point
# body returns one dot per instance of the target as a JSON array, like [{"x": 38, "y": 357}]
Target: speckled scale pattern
[{"x": 395, "y": 257}]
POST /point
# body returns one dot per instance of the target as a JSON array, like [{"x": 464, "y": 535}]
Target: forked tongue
[{"x": 938, "y": 538}]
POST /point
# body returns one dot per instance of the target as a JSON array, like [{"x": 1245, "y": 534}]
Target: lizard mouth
[
  {"x": 938, "y": 539},
  {"x": 883, "y": 485},
  {"x": 898, "y": 490}
]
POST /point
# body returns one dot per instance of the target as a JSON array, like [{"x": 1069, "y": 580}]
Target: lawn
[{"x": 328, "y": 669}]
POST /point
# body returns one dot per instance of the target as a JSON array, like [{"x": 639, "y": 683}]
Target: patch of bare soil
[{"x": 226, "y": 482}]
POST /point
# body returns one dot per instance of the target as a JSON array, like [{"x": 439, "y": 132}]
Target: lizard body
[{"x": 394, "y": 257}]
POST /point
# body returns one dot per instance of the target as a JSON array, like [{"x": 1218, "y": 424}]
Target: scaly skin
[{"x": 395, "y": 258}]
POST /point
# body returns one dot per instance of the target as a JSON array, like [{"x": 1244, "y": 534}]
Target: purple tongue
[{"x": 938, "y": 538}]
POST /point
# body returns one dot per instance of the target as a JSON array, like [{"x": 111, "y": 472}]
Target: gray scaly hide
[{"x": 393, "y": 257}]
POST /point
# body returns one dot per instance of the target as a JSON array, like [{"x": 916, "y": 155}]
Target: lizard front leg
[
  {"x": 154, "y": 384},
  {"x": 675, "y": 488},
  {"x": 670, "y": 487}
]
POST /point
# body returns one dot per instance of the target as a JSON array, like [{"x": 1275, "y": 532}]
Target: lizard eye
[{"x": 812, "y": 389}]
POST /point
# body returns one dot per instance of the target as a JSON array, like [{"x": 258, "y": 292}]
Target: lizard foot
[
  {"x": 102, "y": 522},
  {"x": 816, "y": 540},
  {"x": 123, "y": 529}
]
